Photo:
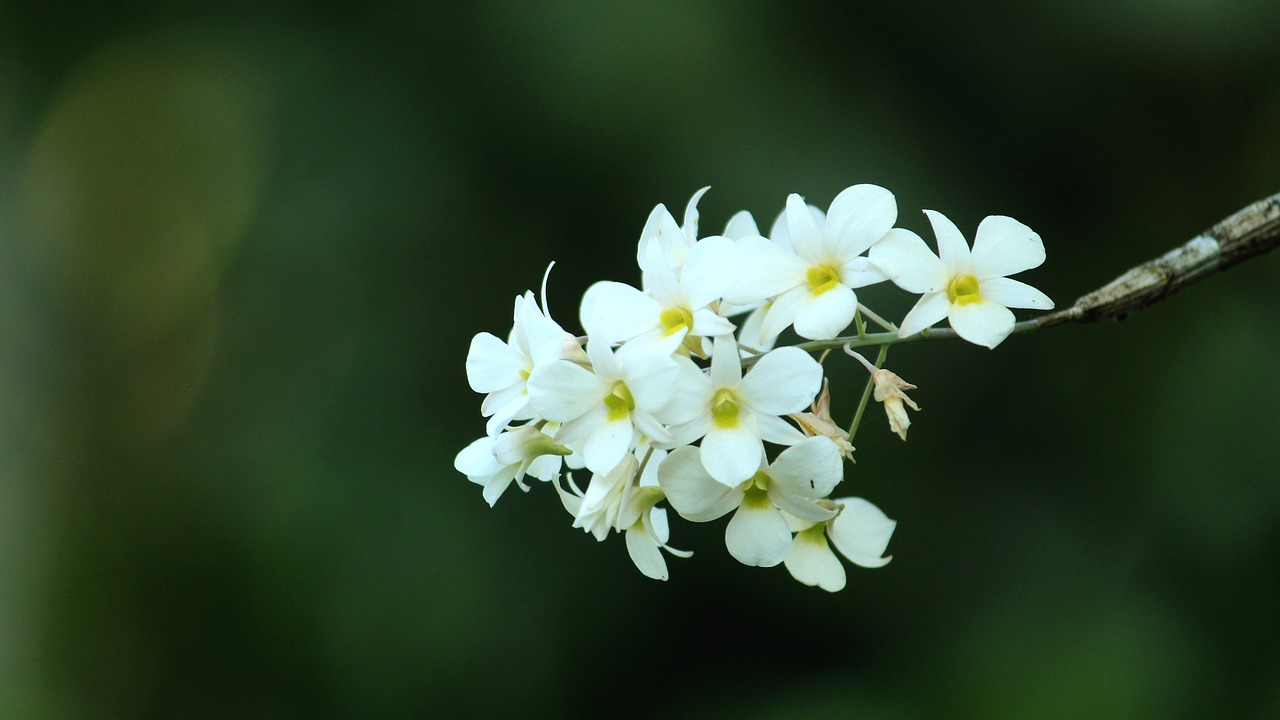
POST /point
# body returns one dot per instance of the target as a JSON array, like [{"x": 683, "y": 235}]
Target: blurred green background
[{"x": 243, "y": 249}]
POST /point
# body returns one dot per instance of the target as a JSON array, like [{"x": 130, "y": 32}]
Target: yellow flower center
[
  {"x": 822, "y": 278},
  {"x": 963, "y": 289},
  {"x": 724, "y": 409},
  {"x": 619, "y": 402},
  {"x": 676, "y": 319}
]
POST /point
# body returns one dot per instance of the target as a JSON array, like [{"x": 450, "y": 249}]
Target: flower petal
[
  {"x": 662, "y": 226},
  {"x": 741, "y": 225},
  {"x": 726, "y": 363},
  {"x": 757, "y": 535},
  {"x": 616, "y": 312},
  {"x": 929, "y": 309},
  {"x": 824, "y": 316},
  {"x": 564, "y": 390},
  {"x": 782, "y": 313},
  {"x": 783, "y": 381},
  {"x": 710, "y": 269},
  {"x": 805, "y": 233},
  {"x": 691, "y": 490},
  {"x": 765, "y": 269},
  {"x": 1013, "y": 294},
  {"x": 1003, "y": 246},
  {"x": 645, "y": 554},
  {"x": 607, "y": 444},
  {"x": 731, "y": 455},
  {"x": 952, "y": 247},
  {"x": 861, "y": 272},
  {"x": 981, "y": 323},
  {"x": 909, "y": 263},
  {"x": 810, "y": 560},
  {"x": 492, "y": 364},
  {"x": 810, "y": 469},
  {"x": 861, "y": 532},
  {"x": 858, "y": 217}
]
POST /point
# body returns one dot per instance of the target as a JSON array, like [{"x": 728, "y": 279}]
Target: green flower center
[
  {"x": 756, "y": 499},
  {"x": 724, "y": 409},
  {"x": 963, "y": 289},
  {"x": 619, "y": 402},
  {"x": 676, "y": 319},
  {"x": 822, "y": 278}
]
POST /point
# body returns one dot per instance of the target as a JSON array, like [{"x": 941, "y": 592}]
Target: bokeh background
[{"x": 243, "y": 249}]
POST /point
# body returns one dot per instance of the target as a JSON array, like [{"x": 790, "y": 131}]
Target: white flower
[
  {"x": 502, "y": 369},
  {"x": 614, "y": 501},
  {"x": 860, "y": 532},
  {"x": 495, "y": 463},
  {"x": 814, "y": 262},
  {"x": 671, "y": 307},
  {"x": 601, "y": 408},
  {"x": 758, "y": 533},
  {"x": 968, "y": 288},
  {"x": 675, "y": 240},
  {"x": 736, "y": 414}
]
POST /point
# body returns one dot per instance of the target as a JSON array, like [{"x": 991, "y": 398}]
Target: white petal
[
  {"x": 709, "y": 324},
  {"x": 545, "y": 339},
  {"x": 1003, "y": 246},
  {"x": 806, "y": 235},
  {"x": 783, "y": 381},
  {"x": 477, "y": 460},
  {"x": 604, "y": 364},
  {"x": 810, "y": 469},
  {"x": 645, "y": 554},
  {"x": 648, "y": 376},
  {"x": 765, "y": 269},
  {"x": 802, "y": 508},
  {"x": 617, "y": 312},
  {"x": 811, "y": 561},
  {"x": 782, "y": 313},
  {"x": 492, "y": 364},
  {"x": 608, "y": 444},
  {"x": 825, "y": 316},
  {"x": 861, "y": 532},
  {"x": 731, "y": 455},
  {"x": 1013, "y": 294},
  {"x": 688, "y": 395},
  {"x": 909, "y": 263},
  {"x": 928, "y": 310},
  {"x": 861, "y": 272},
  {"x": 662, "y": 225},
  {"x": 741, "y": 225},
  {"x": 981, "y": 323},
  {"x": 775, "y": 430},
  {"x": 564, "y": 390},
  {"x": 757, "y": 535},
  {"x": 690, "y": 227},
  {"x": 710, "y": 269},
  {"x": 505, "y": 406},
  {"x": 858, "y": 217},
  {"x": 496, "y": 486},
  {"x": 726, "y": 364},
  {"x": 952, "y": 247},
  {"x": 691, "y": 490},
  {"x": 659, "y": 279}
]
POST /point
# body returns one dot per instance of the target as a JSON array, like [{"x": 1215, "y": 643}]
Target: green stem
[
  {"x": 866, "y": 393},
  {"x": 877, "y": 319}
]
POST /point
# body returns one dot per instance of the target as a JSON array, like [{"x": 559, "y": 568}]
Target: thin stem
[
  {"x": 857, "y": 322},
  {"x": 877, "y": 319},
  {"x": 866, "y": 393},
  {"x": 1248, "y": 233}
]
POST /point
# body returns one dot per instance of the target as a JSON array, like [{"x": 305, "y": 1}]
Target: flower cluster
[{"x": 677, "y": 395}]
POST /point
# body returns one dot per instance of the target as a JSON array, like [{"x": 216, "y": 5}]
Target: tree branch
[{"x": 1250, "y": 232}]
